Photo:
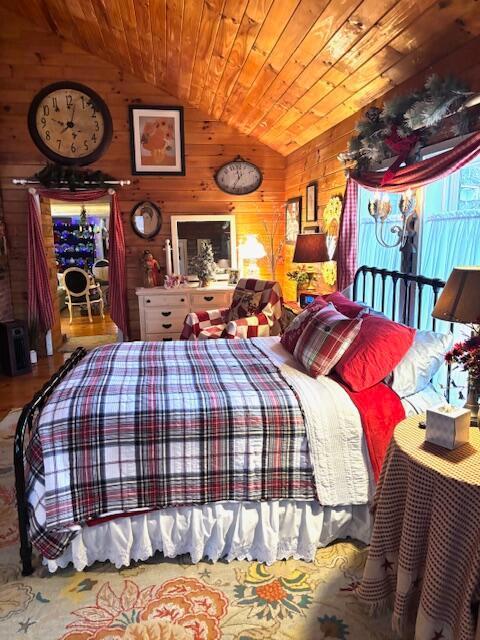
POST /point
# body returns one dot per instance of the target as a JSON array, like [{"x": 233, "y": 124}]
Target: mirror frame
[
  {"x": 203, "y": 218},
  {"x": 152, "y": 234}
]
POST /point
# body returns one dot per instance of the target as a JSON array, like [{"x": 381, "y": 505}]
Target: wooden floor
[
  {"x": 81, "y": 326},
  {"x": 17, "y": 391}
]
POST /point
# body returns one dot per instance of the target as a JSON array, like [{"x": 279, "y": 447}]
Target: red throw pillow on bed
[
  {"x": 326, "y": 337},
  {"x": 344, "y": 305},
  {"x": 378, "y": 348},
  {"x": 292, "y": 333}
]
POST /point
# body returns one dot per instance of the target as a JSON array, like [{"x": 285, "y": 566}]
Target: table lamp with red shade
[{"x": 310, "y": 249}]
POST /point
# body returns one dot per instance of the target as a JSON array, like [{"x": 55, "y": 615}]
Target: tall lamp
[
  {"x": 311, "y": 248},
  {"x": 460, "y": 302},
  {"x": 252, "y": 250}
]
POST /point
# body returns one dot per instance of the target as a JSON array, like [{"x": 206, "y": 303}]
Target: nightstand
[
  {"x": 423, "y": 555},
  {"x": 290, "y": 312}
]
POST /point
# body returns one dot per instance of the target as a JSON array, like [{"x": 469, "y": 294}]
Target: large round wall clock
[
  {"x": 238, "y": 177},
  {"x": 70, "y": 123}
]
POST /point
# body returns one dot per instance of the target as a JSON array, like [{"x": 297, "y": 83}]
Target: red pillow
[
  {"x": 344, "y": 305},
  {"x": 295, "y": 329},
  {"x": 378, "y": 348}
]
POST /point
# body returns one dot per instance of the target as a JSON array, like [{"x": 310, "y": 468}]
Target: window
[{"x": 449, "y": 235}]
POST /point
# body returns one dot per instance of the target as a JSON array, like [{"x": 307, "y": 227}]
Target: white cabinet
[{"x": 162, "y": 311}]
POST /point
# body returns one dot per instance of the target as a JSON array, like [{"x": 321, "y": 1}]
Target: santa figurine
[{"x": 151, "y": 269}]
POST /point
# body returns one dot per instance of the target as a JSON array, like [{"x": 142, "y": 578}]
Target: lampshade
[
  {"x": 311, "y": 247},
  {"x": 460, "y": 299},
  {"x": 252, "y": 248}
]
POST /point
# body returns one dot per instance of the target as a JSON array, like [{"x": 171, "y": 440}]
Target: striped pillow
[{"x": 326, "y": 337}]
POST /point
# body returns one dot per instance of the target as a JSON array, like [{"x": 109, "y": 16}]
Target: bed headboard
[{"x": 409, "y": 296}]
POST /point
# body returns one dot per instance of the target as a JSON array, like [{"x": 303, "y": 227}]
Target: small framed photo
[
  {"x": 311, "y": 206},
  {"x": 157, "y": 140},
  {"x": 293, "y": 219}
]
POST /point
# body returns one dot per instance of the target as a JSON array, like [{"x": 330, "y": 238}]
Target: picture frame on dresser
[{"x": 157, "y": 141}]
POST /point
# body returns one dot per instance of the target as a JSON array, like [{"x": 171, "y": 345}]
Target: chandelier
[{"x": 380, "y": 209}]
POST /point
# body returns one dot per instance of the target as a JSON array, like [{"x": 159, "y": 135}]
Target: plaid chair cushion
[
  {"x": 215, "y": 331},
  {"x": 244, "y": 304},
  {"x": 293, "y": 332},
  {"x": 268, "y": 314},
  {"x": 326, "y": 337}
]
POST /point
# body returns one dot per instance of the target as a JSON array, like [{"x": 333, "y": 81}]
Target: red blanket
[{"x": 381, "y": 410}]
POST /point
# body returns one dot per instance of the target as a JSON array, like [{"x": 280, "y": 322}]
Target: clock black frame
[
  {"x": 235, "y": 160},
  {"x": 100, "y": 105}
]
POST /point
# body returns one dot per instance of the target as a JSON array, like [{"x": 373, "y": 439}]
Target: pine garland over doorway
[{"x": 406, "y": 123}]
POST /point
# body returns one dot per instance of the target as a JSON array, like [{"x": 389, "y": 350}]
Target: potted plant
[
  {"x": 301, "y": 277},
  {"x": 203, "y": 264}
]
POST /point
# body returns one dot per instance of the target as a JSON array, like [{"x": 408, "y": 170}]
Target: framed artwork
[
  {"x": 293, "y": 219},
  {"x": 311, "y": 206},
  {"x": 157, "y": 140}
]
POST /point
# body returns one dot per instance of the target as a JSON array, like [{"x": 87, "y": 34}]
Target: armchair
[{"x": 265, "y": 321}]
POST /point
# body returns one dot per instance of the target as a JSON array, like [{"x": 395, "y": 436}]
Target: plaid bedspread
[{"x": 149, "y": 425}]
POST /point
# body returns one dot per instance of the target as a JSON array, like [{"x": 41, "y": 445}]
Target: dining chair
[{"x": 80, "y": 291}]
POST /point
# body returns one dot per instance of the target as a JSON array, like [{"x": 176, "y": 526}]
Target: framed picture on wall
[
  {"x": 311, "y": 205},
  {"x": 157, "y": 140},
  {"x": 293, "y": 219}
]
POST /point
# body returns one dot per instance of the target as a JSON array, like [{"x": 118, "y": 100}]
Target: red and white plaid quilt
[{"x": 149, "y": 425}]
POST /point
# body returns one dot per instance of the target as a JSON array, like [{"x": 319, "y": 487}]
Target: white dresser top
[{"x": 143, "y": 291}]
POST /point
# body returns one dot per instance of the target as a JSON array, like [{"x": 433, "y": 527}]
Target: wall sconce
[{"x": 380, "y": 209}]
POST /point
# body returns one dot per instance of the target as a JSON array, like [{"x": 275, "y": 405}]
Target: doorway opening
[{"x": 81, "y": 256}]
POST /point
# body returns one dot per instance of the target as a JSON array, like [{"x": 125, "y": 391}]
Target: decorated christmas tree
[{"x": 203, "y": 264}]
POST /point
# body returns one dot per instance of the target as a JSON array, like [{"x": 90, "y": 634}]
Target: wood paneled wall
[
  {"x": 32, "y": 58},
  {"x": 317, "y": 160}
]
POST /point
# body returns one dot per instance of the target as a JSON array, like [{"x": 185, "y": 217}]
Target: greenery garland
[
  {"x": 56, "y": 176},
  {"x": 406, "y": 122}
]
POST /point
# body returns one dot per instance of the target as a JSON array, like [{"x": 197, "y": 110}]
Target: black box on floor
[{"x": 14, "y": 348}]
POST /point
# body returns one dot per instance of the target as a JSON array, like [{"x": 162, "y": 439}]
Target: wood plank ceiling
[{"x": 283, "y": 71}]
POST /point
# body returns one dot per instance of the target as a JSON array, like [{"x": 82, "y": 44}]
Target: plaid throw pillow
[
  {"x": 326, "y": 337},
  {"x": 244, "y": 304},
  {"x": 293, "y": 332}
]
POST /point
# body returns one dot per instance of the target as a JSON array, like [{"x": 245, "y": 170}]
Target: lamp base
[
  {"x": 472, "y": 405},
  {"x": 310, "y": 286}
]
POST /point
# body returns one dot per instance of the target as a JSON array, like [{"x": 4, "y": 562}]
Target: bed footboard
[{"x": 26, "y": 421}]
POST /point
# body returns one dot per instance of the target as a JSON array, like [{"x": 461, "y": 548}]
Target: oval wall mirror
[{"x": 146, "y": 219}]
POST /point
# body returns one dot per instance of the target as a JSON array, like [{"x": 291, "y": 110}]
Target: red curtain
[
  {"x": 412, "y": 176},
  {"x": 40, "y": 305}
]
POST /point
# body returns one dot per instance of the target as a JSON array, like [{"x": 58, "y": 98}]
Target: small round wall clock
[
  {"x": 238, "y": 177},
  {"x": 70, "y": 123}
]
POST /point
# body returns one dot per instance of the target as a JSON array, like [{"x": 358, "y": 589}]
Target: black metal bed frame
[
  {"x": 26, "y": 420},
  {"x": 31, "y": 410}
]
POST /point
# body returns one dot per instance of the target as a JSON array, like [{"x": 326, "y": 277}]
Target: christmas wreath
[{"x": 405, "y": 124}]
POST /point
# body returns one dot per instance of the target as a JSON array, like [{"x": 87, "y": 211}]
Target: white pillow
[{"x": 421, "y": 362}]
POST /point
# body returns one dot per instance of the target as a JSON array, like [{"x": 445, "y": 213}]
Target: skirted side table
[{"x": 424, "y": 558}]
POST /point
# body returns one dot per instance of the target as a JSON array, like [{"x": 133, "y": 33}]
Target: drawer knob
[
  {"x": 167, "y": 339},
  {"x": 166, "y": 326},
  {"x": 147, "y": 301},
  {"x": 182, "y": 299},
  {"x": 208, "y": 298},
  {"x": 166, "y": 313}
]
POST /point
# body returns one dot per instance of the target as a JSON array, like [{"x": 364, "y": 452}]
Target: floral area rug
[{"x": 166, "y": 599}]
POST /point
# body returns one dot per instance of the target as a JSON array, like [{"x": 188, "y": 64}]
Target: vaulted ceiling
[{"x": 283, "y": 71}]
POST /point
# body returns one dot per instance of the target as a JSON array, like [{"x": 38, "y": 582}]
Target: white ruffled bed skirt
[{"x": 263, "y": 531}]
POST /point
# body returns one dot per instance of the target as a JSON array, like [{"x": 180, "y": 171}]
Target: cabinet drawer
[
  {"x": 166, "y": 300},
  {"x": 156, "y": 322},
  {"x": 162, "y": 337},
  {"x": 207, "y": 300}
]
